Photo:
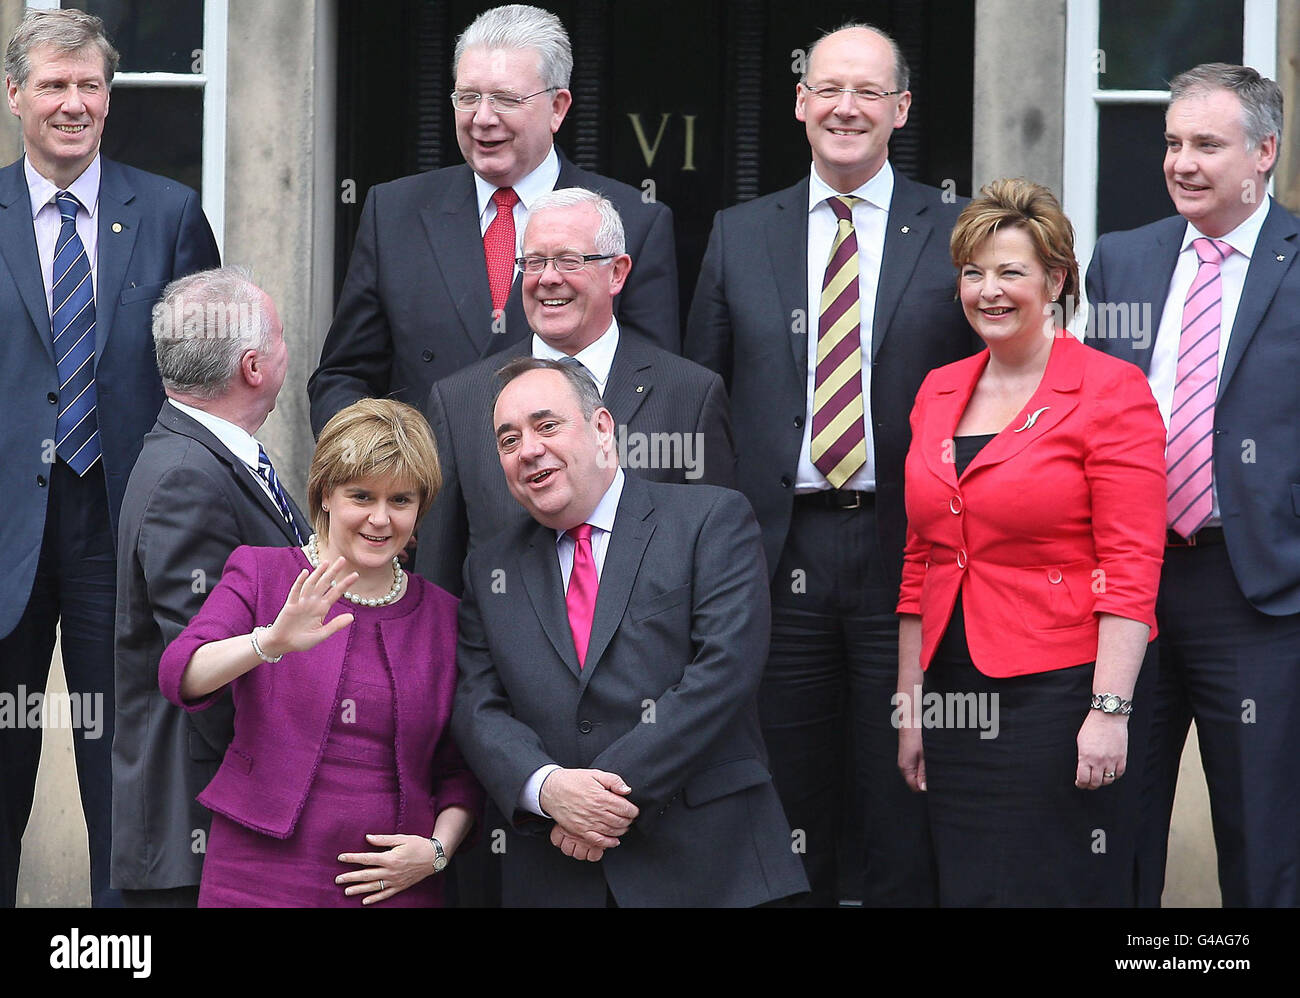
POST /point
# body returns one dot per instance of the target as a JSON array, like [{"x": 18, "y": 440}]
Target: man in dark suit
[
  {"x": 86, "y": 245},
  {"x": 1221, "y": 347},
  {"x": 821, "y": 383},
  {"x": 199, "y": 490},
  {"x": 672, "y": 418},
  {"x": 609, "y": 655},
  {"x": 432, "y": 267}
]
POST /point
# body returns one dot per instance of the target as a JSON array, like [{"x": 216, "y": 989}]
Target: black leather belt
[
  {"x": 837, "y": 499},
  {"x": 1202, "y": 537}
]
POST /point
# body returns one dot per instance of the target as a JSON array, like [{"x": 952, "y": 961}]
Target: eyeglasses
[
  {"x": 468, "y": 100},
  {"x": 860, "y": 95},
  {"x": 568, "y": 263}
]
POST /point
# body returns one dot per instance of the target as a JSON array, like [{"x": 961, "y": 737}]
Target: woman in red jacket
[{"x": 1036, "y": 523}]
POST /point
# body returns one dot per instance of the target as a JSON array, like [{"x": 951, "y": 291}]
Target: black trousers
[
  {"x": 825, "y": 706},
  {"x": 73, "y": 590},
  {"x": 1236, "y": 671}
]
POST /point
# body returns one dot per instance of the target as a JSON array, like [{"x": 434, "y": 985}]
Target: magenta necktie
[
  {"x": 499, "y": 247},
  {"x": 1189, "y": 455},
  {"x": 580, "y": 600}
]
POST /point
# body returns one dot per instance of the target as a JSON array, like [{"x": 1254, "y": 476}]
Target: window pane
[
  {"x": 151, "y": 37},
  {"x": 1130, "y": 177},
  {"x": 1147, "y": 44},
  {"x": 159, "y": 129}
]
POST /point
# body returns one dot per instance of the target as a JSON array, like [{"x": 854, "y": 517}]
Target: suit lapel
[
  {"x": 627, "y": 544},
  {"x": 787, "y": 249},
  {"x": 171, "y": 418},
  {"x": 906, "y": 233},
  {"x": 18, "y": 246},
  {"x": 540, "y": 568},
  {"x": 631, "y": 380},
  {"x": 451, "y": 225},
  {"x": 949, "y": 392},
  {"x": 1154, "y": 288},
  {"x": 1055, "y": 398},
  {"x": 119, "y": 224},
  {"x": 1275, "y": 252}
]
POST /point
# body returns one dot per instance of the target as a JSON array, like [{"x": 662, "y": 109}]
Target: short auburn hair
[
  {"x": 1023, "y": 204},
  {"x": 373, "y": 438}
]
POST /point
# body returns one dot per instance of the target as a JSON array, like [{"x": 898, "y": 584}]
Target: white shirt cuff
[{"x": 530, "y": 797}]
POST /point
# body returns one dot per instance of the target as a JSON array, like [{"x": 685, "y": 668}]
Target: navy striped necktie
[
  {"x": 73, "y": 324},
  {"x": 272, "y": 480}
]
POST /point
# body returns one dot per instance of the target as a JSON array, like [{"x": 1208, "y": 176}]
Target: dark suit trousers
[
  {"x": 1236, "y": 671},
  {"x": 825, "y": 707},
  {"x": 74, "y": 588}
]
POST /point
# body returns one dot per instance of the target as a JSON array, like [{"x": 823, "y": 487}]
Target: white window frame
[
  {"x": 212, "y": 81},
  {"x": 1084, "y": 99}
]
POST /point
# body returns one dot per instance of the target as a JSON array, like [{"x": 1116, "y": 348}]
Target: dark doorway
[{"x": 690, "y": 100}]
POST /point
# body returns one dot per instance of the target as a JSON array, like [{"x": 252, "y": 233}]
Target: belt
[
  {"x": 1202, "y": 537},
  {"x": 837, "y": 499}
]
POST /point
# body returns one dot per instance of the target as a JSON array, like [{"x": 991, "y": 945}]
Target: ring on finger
[
  {"x": 382, "y": 885},
  {"x": 1108, "y": 776}
]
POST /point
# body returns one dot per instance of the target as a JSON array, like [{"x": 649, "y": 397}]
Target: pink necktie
[
  {"x": 580, "y": 600},
  {"x": 1190, "y": 452},
  {"x": 499, "y": 247}
]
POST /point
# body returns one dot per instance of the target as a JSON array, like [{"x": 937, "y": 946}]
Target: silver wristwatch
[
  {"x": 1111, "y": 703},
  {"x": 440, "y": 861}
]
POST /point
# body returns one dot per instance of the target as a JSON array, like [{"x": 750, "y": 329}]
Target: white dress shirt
[
  {"x": 1232, "y": 276},
  {"x": 46, "y": 221},
  {"x": 870, "y": 220},
  {"x": 541, "y": 181},
  {"x": 596, "y": 357},
  {"x": 234, "y": 438},
  {"x": 602, "y": 524}
]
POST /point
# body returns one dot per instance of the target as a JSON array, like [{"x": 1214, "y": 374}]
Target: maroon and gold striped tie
[{"x": 839, "y": 444}]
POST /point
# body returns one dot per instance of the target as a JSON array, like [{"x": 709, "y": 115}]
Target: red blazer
[{"x": 1060, "y": 517}]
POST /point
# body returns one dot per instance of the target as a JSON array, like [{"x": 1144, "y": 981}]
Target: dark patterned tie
[
  {"x": 273, "y": 482},
  {"x": 73, "y": 325}
]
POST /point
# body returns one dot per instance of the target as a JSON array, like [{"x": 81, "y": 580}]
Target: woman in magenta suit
[
  {"x": 342, "y": 784},
  {"x": 1035, "y": 499}
]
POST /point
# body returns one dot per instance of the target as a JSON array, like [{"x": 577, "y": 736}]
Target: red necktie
[
  {"x": 499, "y": 247},
  {"x": 1190, "y": 451},
  {"x": 580, "y": 600}
]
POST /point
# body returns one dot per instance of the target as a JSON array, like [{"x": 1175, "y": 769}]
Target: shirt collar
[
  {"x": 530, "y": 188},
  {"x": 878, "y": 191},
  {"x": 1243, "y": 238},
  {"x": 602, "y": 517},
  {"x": 597, "y": 357},
  {"x": 85, "y": 187},
  {"x": 234, "y": 438}
]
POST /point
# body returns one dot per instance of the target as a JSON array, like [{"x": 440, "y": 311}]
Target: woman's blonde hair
[{"x": 373, "y": 438}]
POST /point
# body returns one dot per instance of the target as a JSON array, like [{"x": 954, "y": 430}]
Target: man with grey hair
[
  {"x": 430, "y": 288},
  {"x": 1222, "y": 276},
  {"x": 86, "y": 244},
  {"x": 203, "y": 486},
  {"x": 824, "y": 306}
]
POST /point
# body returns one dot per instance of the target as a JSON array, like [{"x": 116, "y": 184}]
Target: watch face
[
  {"x": 1111, "y": 703},
  {"x": 439, "y": 864}
]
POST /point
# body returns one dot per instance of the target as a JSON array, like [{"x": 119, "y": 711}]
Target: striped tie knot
[
  {"x": 67, "y": 204},
  {"x": 1213, "y": 251},
  {"x": 842, "y": 205}
]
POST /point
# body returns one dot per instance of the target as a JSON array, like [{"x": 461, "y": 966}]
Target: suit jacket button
[
  {"x": 785, "y": 481},
  {"x": 584, "y": 727},
  {"x": 1054, "y": 576},
  {"x": 40, "y": 480},
  {"x": 961, "y": 558},
  {"x": 52, "y": 398},
  {"x": 798, "y": 422},
  {"x": 426, "y": 355},
  {"x": 954, "y": 504}
]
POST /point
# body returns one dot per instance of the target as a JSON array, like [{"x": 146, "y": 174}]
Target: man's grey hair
[
  {"x": 584, "y": 388},
  {"x": 66, "y": 31},
  {"x": 519, "y": 26},
  {"x": 203, "y": 324},
  {"x": 1261, "y": 98},
  {"x": 902, "y": 74},
  {"x": 610, "y": 240}
]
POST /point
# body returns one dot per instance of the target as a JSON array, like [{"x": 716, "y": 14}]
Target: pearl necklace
[{"x": 313, "y": 556}]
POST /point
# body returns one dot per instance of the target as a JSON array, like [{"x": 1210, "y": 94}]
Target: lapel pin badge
[
  {"x": 117, "y": 226},
  {"x": 1032, "y": 418},
  {"x": 1281, "y": 258},
  {"x": 640, "y": 388},
  {"x": 906, "y": 228}
]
